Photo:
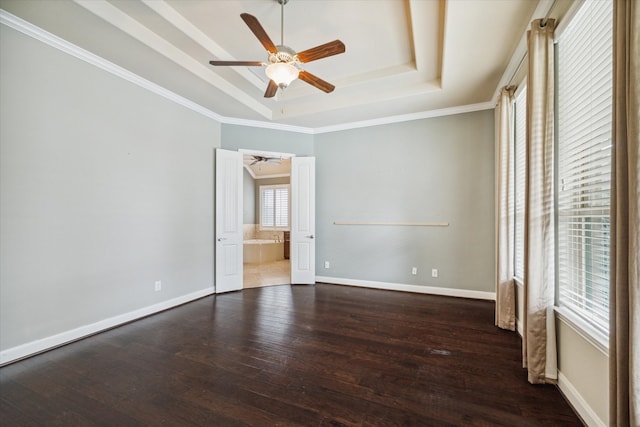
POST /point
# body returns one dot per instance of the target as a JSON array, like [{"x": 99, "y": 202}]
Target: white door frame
[{"x": 229, "y": 223}]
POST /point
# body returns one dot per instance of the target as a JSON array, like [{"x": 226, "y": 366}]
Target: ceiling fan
[
  {"x": 284, "y": 64},
  {"x": 258, "y": 159}
]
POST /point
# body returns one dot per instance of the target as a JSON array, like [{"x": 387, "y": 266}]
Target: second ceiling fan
[{"x": 284, "y": 64}]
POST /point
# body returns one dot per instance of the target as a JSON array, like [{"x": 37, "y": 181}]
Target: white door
[
  {"x": 303, "y": 220},
  {"x": 228, "y": 221}
]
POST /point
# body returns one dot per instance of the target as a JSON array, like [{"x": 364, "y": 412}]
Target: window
[
  {"x": 274, "y": 207},
  {"x": 584, "y": 86},
  {"x": 520, "y": 120}
]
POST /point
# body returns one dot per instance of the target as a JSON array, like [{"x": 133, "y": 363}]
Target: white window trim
[
  {"x": 590, "y": 334},
  {"x": 584, "y": 329},
  {"x": 518, "y": 281}
]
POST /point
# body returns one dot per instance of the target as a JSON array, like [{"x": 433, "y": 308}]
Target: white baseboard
[
  {"x": 462, "y": 293},
  {"x": 580, "y": 405},
  {"x": 48, "y": 343}
]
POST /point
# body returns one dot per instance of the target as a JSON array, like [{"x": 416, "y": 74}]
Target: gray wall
[
  {"x": 105, "y": 187},
  {"x": 236, "y": 137},
  {"x": 249, "y": 207},
  {"x": 431, "y": 170}
]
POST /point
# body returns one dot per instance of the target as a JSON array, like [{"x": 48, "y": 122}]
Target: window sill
[{"x": 582, "y": 328}]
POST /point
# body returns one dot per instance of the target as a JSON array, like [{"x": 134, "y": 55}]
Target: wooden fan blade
[
  {"x": 232, "y": 63},
  {"x": 272, "y": 88},
  {"x": 305, "y": 76},
  {"x": 255, "y": 27},
  {"x": 328, "y": 49}
]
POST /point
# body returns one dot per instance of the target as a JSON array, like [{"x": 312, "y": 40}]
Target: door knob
[
  {"x": 310, "y": 236},
  {"x": 220, "y": 239}
]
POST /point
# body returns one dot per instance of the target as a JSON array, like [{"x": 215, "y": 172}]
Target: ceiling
[{"x": 404, "y": 58}]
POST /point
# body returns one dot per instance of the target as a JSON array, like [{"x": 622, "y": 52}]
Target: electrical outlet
[
  {"x": 158, "y": 286},
  {"x": 434, "y": 272},
  {"x": 326, "y": 264},
  {"x": 414, "y": 270}
]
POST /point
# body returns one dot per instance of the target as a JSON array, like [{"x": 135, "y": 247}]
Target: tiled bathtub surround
[{"x": 252, "y": 232}]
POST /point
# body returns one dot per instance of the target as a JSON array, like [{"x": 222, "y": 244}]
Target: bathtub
[{"x": 259, "y": 251}]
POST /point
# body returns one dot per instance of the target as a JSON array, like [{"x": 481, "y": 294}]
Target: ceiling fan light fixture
[
  {"x": 282, "y": 73},
  {"x": 283, "y": 64}
]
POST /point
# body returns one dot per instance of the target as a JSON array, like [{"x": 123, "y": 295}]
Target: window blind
[
  {"x": 520, "y": 120},
  {"x": 281, "y": 213},
  {"x": 584, "y": 97},
  {"x": 274, "y": 206}
]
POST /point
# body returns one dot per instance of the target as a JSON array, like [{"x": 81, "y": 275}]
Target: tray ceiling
[{"x": 402, "y": 57}]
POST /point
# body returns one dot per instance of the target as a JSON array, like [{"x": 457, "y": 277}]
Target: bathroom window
[{"x": 274, "y": 207}]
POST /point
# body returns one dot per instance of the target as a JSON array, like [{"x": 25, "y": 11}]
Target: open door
[
  {"x": 303, "y": 220},
  {"x": 228, "y": 268}
]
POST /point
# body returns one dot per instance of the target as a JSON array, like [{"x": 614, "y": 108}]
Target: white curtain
[
  {"x": 505, "y": 291},
  {"x": 539, "y": 343},
  {"x": 624, "y": 346}
]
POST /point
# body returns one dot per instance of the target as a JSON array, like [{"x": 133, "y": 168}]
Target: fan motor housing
[{"x": 284, "y": 54}]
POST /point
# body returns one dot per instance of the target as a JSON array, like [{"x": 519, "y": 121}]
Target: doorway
[
  {"x": 229, "y": 212},
  {"x": 266, "y": 218}
]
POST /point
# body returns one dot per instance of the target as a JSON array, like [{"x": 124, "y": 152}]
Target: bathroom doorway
[{"x": 266, "y": 218}]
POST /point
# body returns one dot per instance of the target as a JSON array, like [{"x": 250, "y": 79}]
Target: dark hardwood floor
[{"x": 289, "y": 355}]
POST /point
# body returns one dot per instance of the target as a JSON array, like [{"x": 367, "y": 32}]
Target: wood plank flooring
[{"x": 320, "y": 355}]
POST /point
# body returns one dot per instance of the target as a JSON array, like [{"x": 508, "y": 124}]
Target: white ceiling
[{"x": 403, "y": 57}]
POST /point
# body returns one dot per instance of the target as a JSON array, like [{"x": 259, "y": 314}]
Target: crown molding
[
  {"x": 56, "y": 42},
  {"x": 120, "y": 20},
  {"x": 163, "y": 9},
  {"x": 407, "y": 117},
  {"x": 267, "y": 125}
]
